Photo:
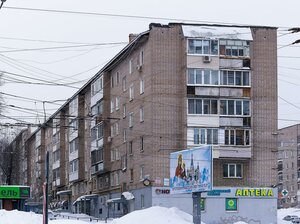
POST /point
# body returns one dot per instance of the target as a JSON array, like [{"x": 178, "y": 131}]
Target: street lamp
[{"x": 2, "y": 2}]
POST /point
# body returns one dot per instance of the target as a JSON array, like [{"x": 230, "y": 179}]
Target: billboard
[{"x": 191, "y": 170}]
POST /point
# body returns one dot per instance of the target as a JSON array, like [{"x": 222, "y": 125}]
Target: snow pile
[
  {"x": 157, "y": 215},
  {"x": 17, "y": 217},
  {"x": 65, "y": 221}
]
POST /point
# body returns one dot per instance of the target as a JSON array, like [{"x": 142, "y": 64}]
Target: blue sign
[{"x": 191, "y": 170}]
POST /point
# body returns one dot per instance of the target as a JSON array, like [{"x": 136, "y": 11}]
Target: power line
[
  {"x": 124, "y": 16},
  {"x": 63, "y": 47}
]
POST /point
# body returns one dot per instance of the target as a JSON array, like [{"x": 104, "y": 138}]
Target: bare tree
[{"x": 6, "y": 161}]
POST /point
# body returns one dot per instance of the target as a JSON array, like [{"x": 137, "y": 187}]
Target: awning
[
  {"x": 125, "y": 196},
  {"x": 66, "y": 192},
  {"x": 85, "y": 198},
  {"x": 128, "y": 195},
  {"x": 114, "y": 200}
]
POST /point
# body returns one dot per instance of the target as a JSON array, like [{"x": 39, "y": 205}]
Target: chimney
[{"x": 132, "y": 36}]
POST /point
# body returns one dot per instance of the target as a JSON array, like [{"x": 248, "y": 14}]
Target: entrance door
[{"x": 7, "y": 204}]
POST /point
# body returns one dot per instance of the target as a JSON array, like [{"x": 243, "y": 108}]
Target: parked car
[
  {"x": 290, "y": 217},
  {"x": 296, "y": 220}
]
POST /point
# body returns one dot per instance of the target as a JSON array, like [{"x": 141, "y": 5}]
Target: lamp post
[{"x": 2, "y": 2}]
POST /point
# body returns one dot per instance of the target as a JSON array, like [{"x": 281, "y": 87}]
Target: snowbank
[
  {"x": 17, "y": 217},
  {"x": 157, "y": 215}
]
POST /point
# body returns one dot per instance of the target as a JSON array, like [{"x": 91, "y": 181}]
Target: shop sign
[
  {"x": 231, "y": 204},
  {"x": 162, "y": 191},
  {"x": 254, "y": 192},
  {"x": 202, "y": 204},
  {"x": 218, "y": 192},
  {"x": 14, "y": 192}
]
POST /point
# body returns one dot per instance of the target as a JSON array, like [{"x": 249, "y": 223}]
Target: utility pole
[{"x": 45, "y": 189}]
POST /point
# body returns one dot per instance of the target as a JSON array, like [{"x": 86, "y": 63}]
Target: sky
[{"x": 65, "y": 42}]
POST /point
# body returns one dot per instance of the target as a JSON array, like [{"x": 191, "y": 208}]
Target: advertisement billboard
[{"x": 191, "y": 170}]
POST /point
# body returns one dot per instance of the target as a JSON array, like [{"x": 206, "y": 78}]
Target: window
[
  {"x": 232, "y": 170},
  {"x": 131, "y": 175},
  {"x": 130, "y": 148},
  {"x": 124, "y": 83},
  {"x": 141, "y": 114},
  {"x": 124, "y": 110},
  {"x": 130, "y": 120},
  {"x": 235, "y": 107},
  {"x": 142, "y": 201},
  {"x": 199, "y": 46},
  {"x": 73, "y": 145},
  {"x": 131, "y": 92},
  {"x": 124, "y": 135},
  {"x": 205, "y": 136},
  {"x": 141, "y": 86},
  {"x": 73, "y": 126},
  {"x": 202, "y": 76},
  {"x": 97, "y": 132},
  {"x": 202, "y": 106},
  {"x": 112, "y": 106},
  {"x": 97, "y": 86},
  {"x": 141, "y": 58},
  {"x": 280, "y": 165},
  {"x": 97, "y": 156},
  {"x": 74, "y": 105},
  {"x": 74, "y": 165},
  {"x": 142, "y": 143},
  {"x": 117, "y": 103},
  {"x": 56, "y": 138},
  {"x": 124, "y": 162},
  {"x": 280, "y": 176},
  {"x": 142, "y": 174},
  {"x": 237, "y": 137},
  {"x": 98, "y": 108},
  {"x": 56, "y": 174},
  {"x": 116, "y": 128},
  {"x": 235, "y": 78},
  {"x": 117, "y": 78},
  {"x": 130, "y": 66},
  {"x": 112, "y": 79},
  {"x": 235, "y": 48},
  {"x": 56, "y": 155}
]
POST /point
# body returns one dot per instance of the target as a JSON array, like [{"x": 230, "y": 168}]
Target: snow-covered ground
[{"x": 157, "y": 215}]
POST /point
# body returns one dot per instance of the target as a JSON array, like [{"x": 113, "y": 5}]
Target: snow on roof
[
  {"x": 64, "y": 192},
  {"x": 240, "y": 33},
  {"x": 127, "y": 195}
]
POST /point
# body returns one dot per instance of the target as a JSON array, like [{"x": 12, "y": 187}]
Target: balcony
[{"x": 97, "y": 167}]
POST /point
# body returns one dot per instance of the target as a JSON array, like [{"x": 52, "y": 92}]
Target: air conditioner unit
[
  {"x": 206, "y": 59},
  {"x": 109, "y": 138}
]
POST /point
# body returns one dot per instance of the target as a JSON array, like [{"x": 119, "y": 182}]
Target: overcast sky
[{"x": 105, "y": 31}]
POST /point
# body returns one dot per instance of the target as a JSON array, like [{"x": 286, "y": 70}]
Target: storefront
[
  {"x": 13, "y": 197},
  {"x": 221, "y": 205}
]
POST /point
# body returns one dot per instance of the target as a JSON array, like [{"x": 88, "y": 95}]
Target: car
[
  {"x": 296, "y": 220},
  {"x": 290, "y": 217}
]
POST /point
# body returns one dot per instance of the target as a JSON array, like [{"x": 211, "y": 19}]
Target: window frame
[{"x": 234, "y": 165}]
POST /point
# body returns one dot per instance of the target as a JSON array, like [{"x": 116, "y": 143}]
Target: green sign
[
  {"x": 231, "y": 204},
  {"x": 14, "y": 192},
  {"x": 202, "y": 204}
]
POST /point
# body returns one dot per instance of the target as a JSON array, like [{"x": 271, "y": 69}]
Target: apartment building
[
  {"x": 288, "y": 165},
  {"x": 172, "y": 87}
]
